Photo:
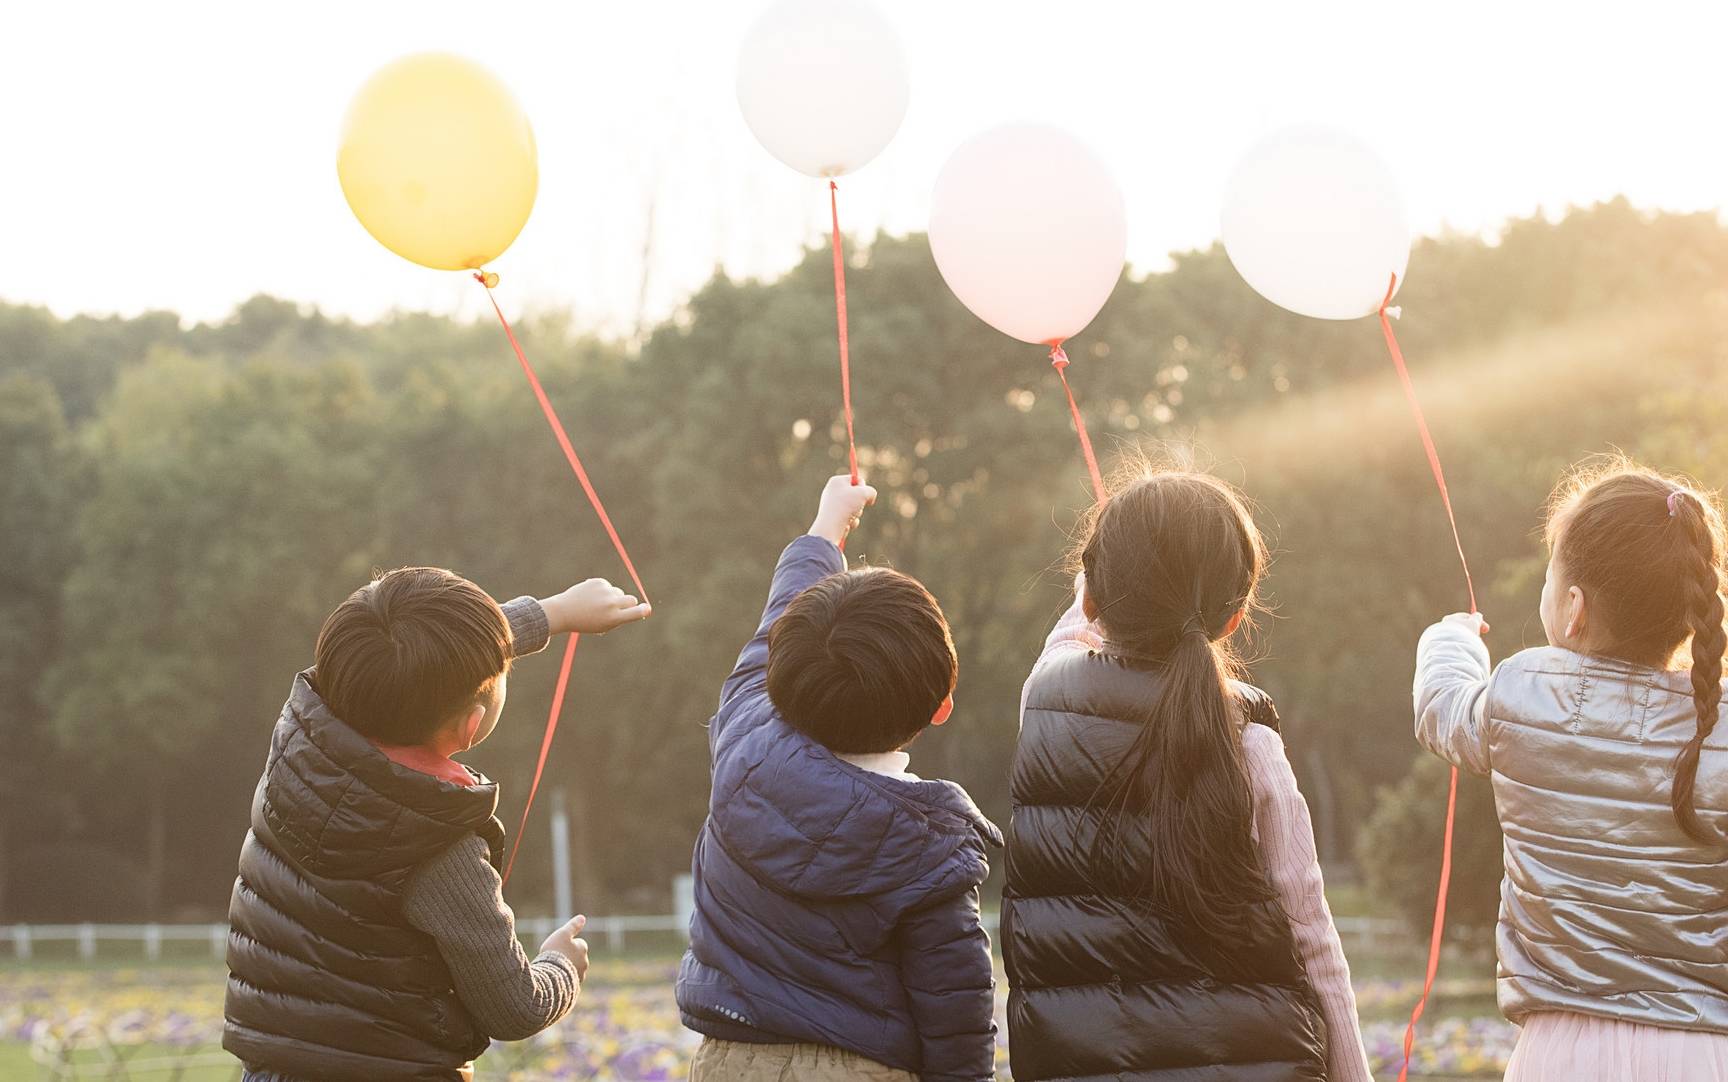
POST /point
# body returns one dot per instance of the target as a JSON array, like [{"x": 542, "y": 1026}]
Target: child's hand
[
  {"x": 843, "y": 503},
  {"x": 564, "y": 941},
  {"x": 592, "y": 608},
  {"x": 1469, "y": 621}
]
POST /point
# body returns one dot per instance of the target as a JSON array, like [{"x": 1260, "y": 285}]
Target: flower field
[{"x": 165, "y": 1023}]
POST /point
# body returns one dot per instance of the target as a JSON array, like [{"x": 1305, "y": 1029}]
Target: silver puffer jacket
[{"x": 1607, "y": 907}]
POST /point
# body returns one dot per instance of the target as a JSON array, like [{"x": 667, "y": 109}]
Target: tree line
[{"x": 181, "y": 505}]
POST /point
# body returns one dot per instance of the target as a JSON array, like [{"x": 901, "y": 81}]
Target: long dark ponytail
[
  {"x": 1170, "y": 560},
  {"x": 1647, "y": 550}
]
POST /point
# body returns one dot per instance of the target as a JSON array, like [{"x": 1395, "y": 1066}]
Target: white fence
[
  {"x": 1361, "y": 933},
  {"x": 25, "y": 938}
]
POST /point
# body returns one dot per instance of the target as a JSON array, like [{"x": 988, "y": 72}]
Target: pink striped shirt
[{"x": 1285, "y": 835}]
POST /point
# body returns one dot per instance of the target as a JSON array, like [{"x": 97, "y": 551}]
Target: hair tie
[
  {"x": 1196, "y": 625},
  {"x": 1674, "y": 502}
]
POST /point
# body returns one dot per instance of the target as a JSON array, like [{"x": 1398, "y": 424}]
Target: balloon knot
[
  {"x": 1058, "y": 358},
  {"x": 489, "y": 279},
  {"x": 1391, "y": 288},
  {"x": 1396, "y": 311},
  {"x": 833, "y": 187}
]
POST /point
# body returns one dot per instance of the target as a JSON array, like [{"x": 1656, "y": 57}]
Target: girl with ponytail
[
  {"x": 1611, "y": 781},
  {"x": 1164, "y": 915}
]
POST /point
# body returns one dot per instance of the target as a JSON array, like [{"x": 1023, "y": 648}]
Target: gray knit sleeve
[
  {"x": 529, "y": 632},
  {"x": 457, "y": 898}
]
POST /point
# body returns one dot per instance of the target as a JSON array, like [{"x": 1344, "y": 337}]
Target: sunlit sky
[{"x": 182, "y": 154}]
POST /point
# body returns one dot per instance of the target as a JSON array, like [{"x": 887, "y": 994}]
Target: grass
[
  {"x": 17, "y": 1064},
  {"x": 626, "y": 1027}
]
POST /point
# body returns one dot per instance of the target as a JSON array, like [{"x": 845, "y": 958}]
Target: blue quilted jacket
[{"x": 834, "y": 905}]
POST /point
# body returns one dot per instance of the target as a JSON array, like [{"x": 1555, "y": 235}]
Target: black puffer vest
[
  {"x": 1104, "y": 986},
  {"x": 327, "y": 980}
]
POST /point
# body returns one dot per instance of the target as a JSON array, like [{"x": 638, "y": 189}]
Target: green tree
[
  {"x": 226, "y": 512},
  {"x": 230, "y": 482},
  {"x": 39, "y": 486},
  {"x": 1399, "y": 850}
]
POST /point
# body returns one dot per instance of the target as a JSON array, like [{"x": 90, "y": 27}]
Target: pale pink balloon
[
  {"x": 1029, "y": 231},
  {"x": 1314, "y": 220}
]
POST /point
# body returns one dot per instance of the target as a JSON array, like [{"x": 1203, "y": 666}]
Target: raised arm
[
  {"x": 805, "y": 562},
  {"x": 1073, "y": 628},
  {"x": 1072, "y": 631},
  {"x": 1452, "y": 670}
]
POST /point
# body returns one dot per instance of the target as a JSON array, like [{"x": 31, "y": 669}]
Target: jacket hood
[
  {"x": 822, "y": 829},
  {"x": 340, "y": 808}
]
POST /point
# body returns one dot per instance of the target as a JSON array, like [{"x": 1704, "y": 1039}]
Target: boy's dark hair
[
  {"x": 409, "y": 651},
  {"x": 861, "y": 661}
]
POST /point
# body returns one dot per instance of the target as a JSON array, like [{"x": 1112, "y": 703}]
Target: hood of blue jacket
[{"x": 820, "y": 828}]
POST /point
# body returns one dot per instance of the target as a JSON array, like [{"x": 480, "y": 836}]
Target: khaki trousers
[{"x": 739, "y": 1061}]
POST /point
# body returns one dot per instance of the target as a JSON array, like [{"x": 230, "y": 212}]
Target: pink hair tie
[{"x": 1674, "y": 502}]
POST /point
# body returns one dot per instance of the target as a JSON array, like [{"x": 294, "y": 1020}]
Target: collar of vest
[{"x": 340, "y": 805}]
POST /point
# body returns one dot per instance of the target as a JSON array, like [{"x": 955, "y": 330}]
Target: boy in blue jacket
[{"x": 836, "y": 931}]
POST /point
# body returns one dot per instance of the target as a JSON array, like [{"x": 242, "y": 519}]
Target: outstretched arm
[
  {"x": 529, "y": 629},
  {"x": 1452, "y": 670},
  {"x": 593, "y": 607}
]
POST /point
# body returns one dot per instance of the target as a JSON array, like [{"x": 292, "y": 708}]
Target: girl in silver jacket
[{"x": 1611, "y": 782}]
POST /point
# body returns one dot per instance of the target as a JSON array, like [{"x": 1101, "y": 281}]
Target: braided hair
[
  {"x": 1648, "y": 550},
  {"x": 1703, "y": 590}
]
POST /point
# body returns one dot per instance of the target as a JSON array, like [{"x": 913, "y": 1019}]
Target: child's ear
[
  {"x": 1577, "y": 613},
  {"x": 1234, "y": 623},
  {"x": 469, "y": 733},
  {"x": 1088, "y": 606},
  {"x": 944, "y": 711}
]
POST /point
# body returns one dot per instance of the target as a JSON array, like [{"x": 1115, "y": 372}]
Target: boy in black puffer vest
[{"x": 369, "y": 938}]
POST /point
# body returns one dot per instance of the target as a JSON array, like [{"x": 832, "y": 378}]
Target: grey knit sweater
[{"x": 458, "y": 900}]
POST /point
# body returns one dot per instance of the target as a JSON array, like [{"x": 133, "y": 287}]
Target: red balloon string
[
  {"x": 545, "y": 747},
  {"x": 840, "y": 318},
  {"x": 1059, "y": 360},
  {"x": 1439, "y": 927},
  {"x": 605, "y": 520},
  {"x": 1427, "y": 438},
  {"x": 564, "y": 443},
  {"x": 1435, "y": 936}
]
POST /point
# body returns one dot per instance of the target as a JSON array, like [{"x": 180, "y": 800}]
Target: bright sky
[{"x": 182, "y": 155}]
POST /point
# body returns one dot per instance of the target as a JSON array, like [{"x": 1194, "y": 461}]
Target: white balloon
[
  {"x": 1314, "y": 221},
  {"x": 822, "y": 83},
  {"x": 1029, "y": 231}
]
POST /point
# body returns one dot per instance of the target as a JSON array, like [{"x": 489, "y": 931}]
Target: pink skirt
[{"x": 1564, "y": 1047}]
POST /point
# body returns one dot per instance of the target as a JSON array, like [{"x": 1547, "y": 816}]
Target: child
[
  {"x": 1610, "y": 783},
  {"x": 369, "y": 938},
  {"x": 836, "y": 931},
  {"x": 1164, "y": 916}
]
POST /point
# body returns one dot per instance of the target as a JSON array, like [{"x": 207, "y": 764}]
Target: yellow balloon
[{"x": 437, "y": 161}]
